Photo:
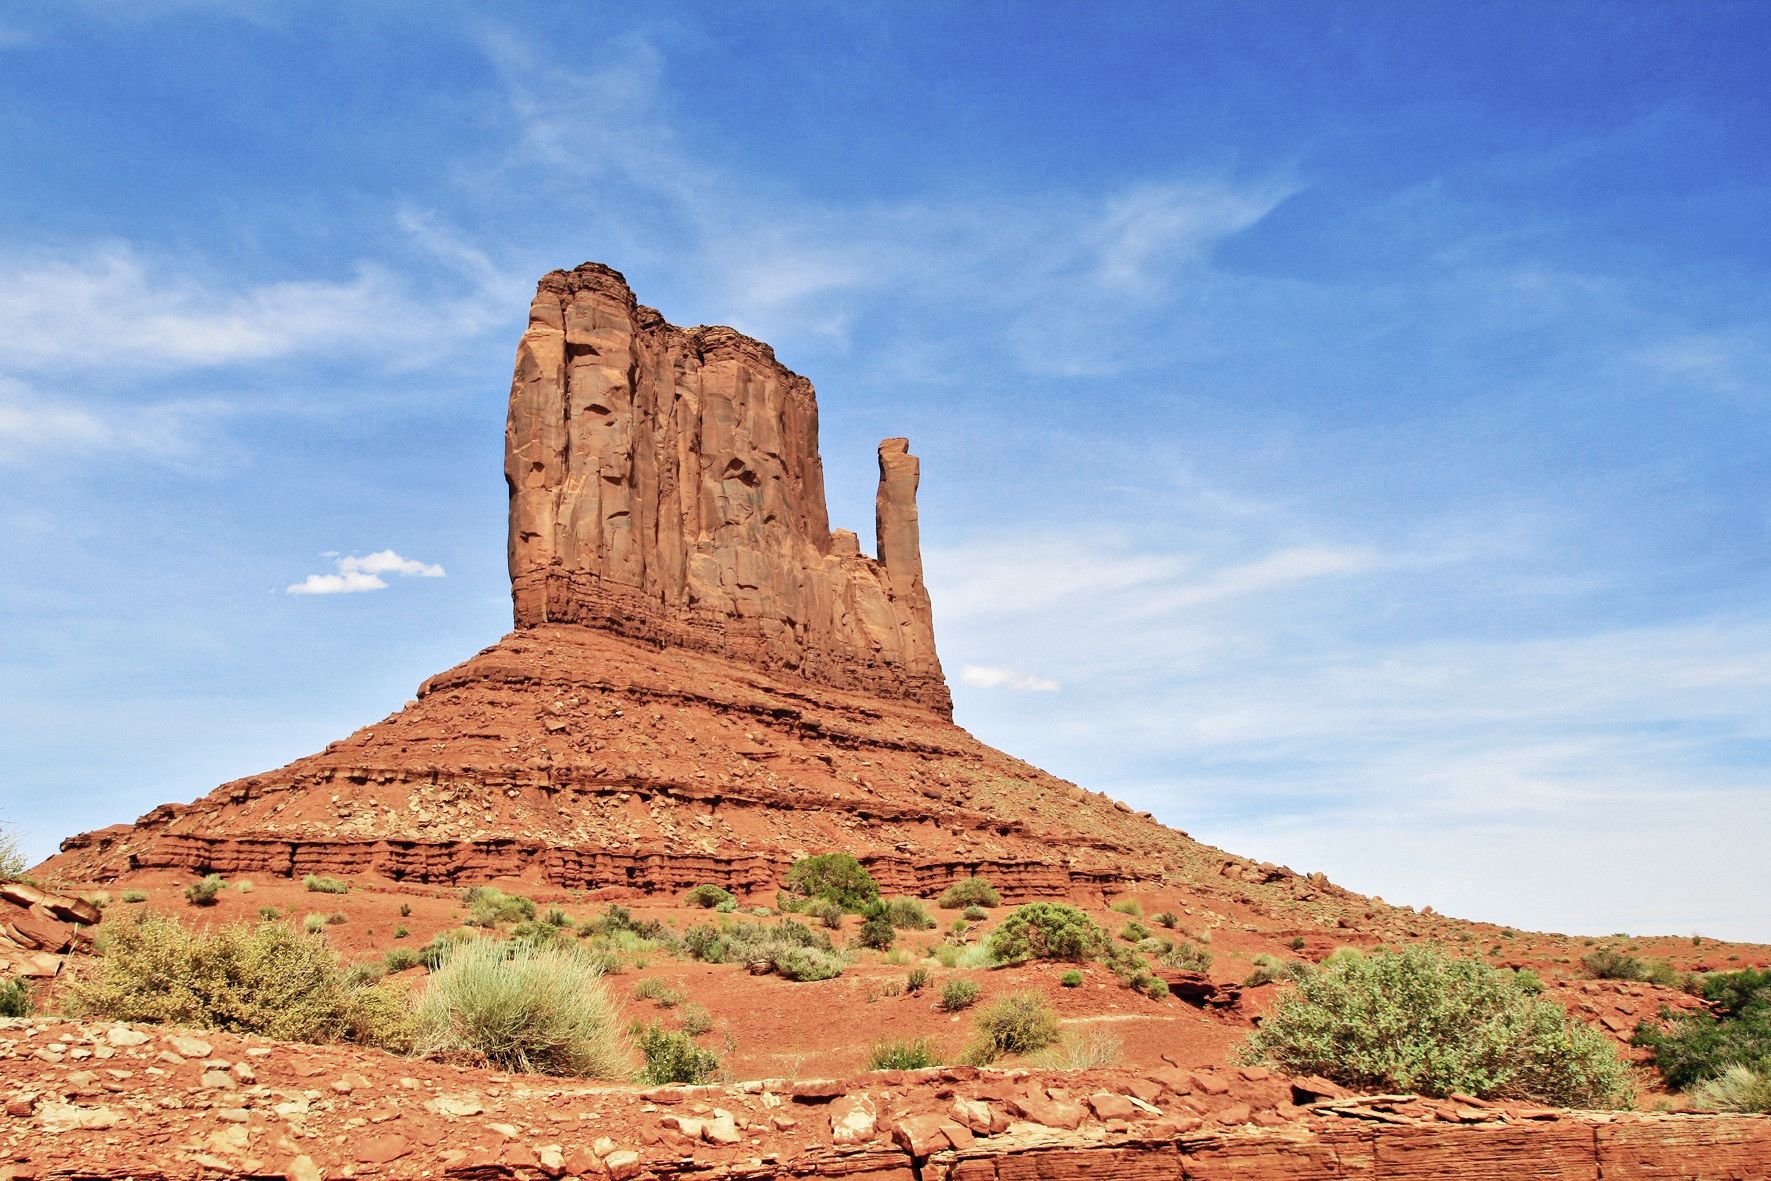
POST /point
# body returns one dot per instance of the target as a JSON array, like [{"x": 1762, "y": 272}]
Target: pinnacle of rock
[{"x": 666, "y": 486}]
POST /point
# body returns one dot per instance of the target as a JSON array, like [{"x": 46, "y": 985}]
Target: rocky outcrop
[
  {"x": 665, "y": 485},
  {"x": 38, "y": 928}
]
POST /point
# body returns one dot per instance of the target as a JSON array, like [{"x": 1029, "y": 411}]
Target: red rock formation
[{"x": 665, "y": 485}]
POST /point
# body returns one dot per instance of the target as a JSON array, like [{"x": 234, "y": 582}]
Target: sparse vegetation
[
  {"x": 906, "y": 914},
  {"x": 262, "y": 979},
  {"x": 205, "y": 891},
  {"x": 655, "y": 990},
  {"x": 1697, "y": 1049},
  {"x": 1738, "y": 1089},
  {"x": 1019, "y": 1023},
  {"x": 1169, "y": 919},
  {"x": 673, "y": 1057},
  {"x": 12, "y": 858},
  {"x": 969, "y": 892},
  {"x": 1127, "y": 906},
  {"x": 16, "y": 998},
  {"x": 694, "y": 1019},
  {"x": 1048, "y": 931},
  {"x": 916, "y": 1054},
  {"x": 1611, "y": 963},
  {"x": 488, "y": 907},
  {"x": 974, "y": 914},
  {"x": 826, "y": 912},
  {"x": 957, "y": 995},
  {"x": 1086, "y": 1049},
  {"x": 1420, "y": 1021},
  {"x": 790, "y": 948},
  {"x": 916, "y": 980},
  {"x": 399, "y": 959},
  {"x": 319, "y": 885},
  {"x": 878, "y": 933},
  {"x": 708, "y": 896},
  {"x": 837, "y": 877},
  {"x": 1134, "y": 932},
  {"x": 1184, "y": 956},
  {"x": 514, "y": 1006},
  {"x": 313, "y": 924},
  {"x": 1270, "y": 969}
]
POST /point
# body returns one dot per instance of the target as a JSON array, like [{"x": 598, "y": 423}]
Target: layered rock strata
[{"x": 665, "y": 485}]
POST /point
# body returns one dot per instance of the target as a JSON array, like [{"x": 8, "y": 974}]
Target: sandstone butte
[{"x": 705, "y": 682}]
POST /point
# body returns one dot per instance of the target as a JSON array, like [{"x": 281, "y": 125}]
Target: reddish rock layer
[{"x": 665, "y": 485}]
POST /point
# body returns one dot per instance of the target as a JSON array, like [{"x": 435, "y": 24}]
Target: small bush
[
  {"x": 1134, "y": 932},
  {"x": 916, "y": 1054},
  {"x": 654, "y": 989},
  {"x": 135, "y": 895},
  {"x": 399, "y": 959},
  {"x": 1071, "y": 979},
  {"x": 336, "y": 919},
  {"x": 1169, "y": 919},
  {"x": 1128, "y": 906},
  {"x": 268, "y": 914},
  {"x": 313, "y": 924},
  {"x": 835, "y": 876},
  {"x": 12, "y": 858},
  {"x": 674, "y": 1058},
  {"x": 1186, "y": 957},
  {"x": 969, "y": 892},
  {"x": 974, "y": 914},
  {"x": 1697, "y": 1047},
  {"x": 437, "y": 950},
  {"x": 206, "y": 891},
  {"x": 878, "y": 933},
  {"x": 808, "y": 963},
  {"x": 1298, "y": 942},
  {"x": 401, "y": 933},
  {"x": 1154, "y": 987},
  {"x": 1046, "y": 930},
  {"x": 695, "y": 1020},
  {"x": 906, "y": 914},
  {"x": 319, "y": 885},
  {"x": 916, "y": 980},
  {"x": 488, "y": 907},
  {"x": 948, "y": 955},
  {"x": 1419, "y": 1021},
  {"x": 405, "y": 910},
  {"x": 825, "y": 912},
  {"x": 1610, "y": 963},
  {"x": 708, "y": 896},
  {"x": 1273, "y": 970},
  {"x": 957, "y": 995},
  {"x": 1019, "y": 1023},
  {"x": 17, "y": 999},
  {"x": 729, "y": 906},
  {"x": 790, "y": 948},
  {"x": 517, "y": 1007},
  {"x": 1739, "y": 1089}
]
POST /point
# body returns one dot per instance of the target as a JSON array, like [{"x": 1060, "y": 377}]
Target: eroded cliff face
[{"x": 665, "y": 485}]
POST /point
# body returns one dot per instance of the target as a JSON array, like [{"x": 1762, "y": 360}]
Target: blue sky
[{"x": 1343, "y": 426}]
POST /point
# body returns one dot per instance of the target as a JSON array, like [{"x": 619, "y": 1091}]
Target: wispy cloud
[
  {"x": 36, "y": 427},
  {"x": 987, "y": 677},
  {"x": 355, "y": 575}
]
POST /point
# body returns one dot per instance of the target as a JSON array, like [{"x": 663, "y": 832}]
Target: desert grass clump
[
  {"x": 673, "y": 1057},
  {"x": 915, "y": 1054},
  {"x": 1738, "y": 1089},
  {"x": 206, "y": 891},
  {"x": 1127, "y": 906},
  {"x": 655, "y": 990},
  {"x": 518, "y": 1007},
  {"x": 1046, "y": 931},
  {"x": 1019, "y": 1023},
  {"x": 957, "y": 995},
  {"x": 694, "y": 1019},
  {"x": 1611, "y": 963},
  {"x": 916, "y": 980},
  {"x": 1085, "y": 1049},
  {"x": 319, "y": 885},
  {"x": 134, "y": 896},
  {"x": 1270, "y": 969},
  {"x": 263, "y": 979},
  {"x": 489, "y": 906},
  {"x": 1420, "y": 1021},
  {"x": 969, "y": 892}
]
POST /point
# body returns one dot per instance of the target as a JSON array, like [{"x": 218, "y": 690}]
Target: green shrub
[
  {"x": 878, "y": 933},
  {"x": 1610, "y": 963},
  {"x": 916, "y": 980},
  {"x": 916, "y": 1054},
  {"x": 401, "y": 933},
  {"x": 313, "y": 924},
  {"x": 135, "y": 895},
  {"x": 1019, "y": 1023},
  {"x": 262, "y": 979},
  {"x": 432, "y": 954},
  {"x": 1127, "y": 906},
  {"x": 907, "y": 914},
  {"x": 399, "y": 959},
  {"x": 969, "y": 892},
  {"x": 674, "y": 1058},
  {"x": 974, "y": 914},
  {"x": 824, "y": 911},
  {"x": 708, "y": 896},
  {"x": 654, "y": 989},
  {"x": 1134, "y": 932},
  {"x": 16, "y": 998},
  {"x": 319, "y": 885},
  {"x": 1186, "y": 957},
  {"x": 1169, "y": 919},
  {"x": 1739, "y": 1089},
  {"x": 513, "y": 1006},
  {"x": 836, "y": 876},
  {"x": 808, "y": 963},
  {"x": 268, "y": 914},
  {"x": 206, "y": 891},
  {"x": 1154, "y": 987},
  {"x": 957, "y": 995},
  {"x": 1698, "y": 1047},
  {"x": 1048, "y": 931},
  {"x": 1419, "y": 1021},
  {"x": 791, "y": 949},
  {"x": 1071, "y": 979},
  {"x": 694, "y": 1019},
  {"x": 489, "y": 906},
  {"x": 729, "y": 906},
  {"x": 1272, "y": 970},
  {"x": 1298, "y": 942}
]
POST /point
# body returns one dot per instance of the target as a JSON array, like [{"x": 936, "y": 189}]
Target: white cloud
[
  {"x": 984, "y": 677},
  {"x": 357, "y": 574},
  {"x": 36, "y": 426}
]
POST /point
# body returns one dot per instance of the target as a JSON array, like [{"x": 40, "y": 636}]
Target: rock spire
[{"x": 665, "y": 485}]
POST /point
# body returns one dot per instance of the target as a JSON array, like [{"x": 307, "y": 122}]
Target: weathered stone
[{"x": 853, "y": 1119}]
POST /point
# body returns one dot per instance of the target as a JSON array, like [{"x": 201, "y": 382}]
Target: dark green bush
[
  {"x": 836, "y": 876},
  {"x": 878, "y": 933},
  {"x": 17, "y": 999},
  {"x": 1071, "y": 979},
  {"x": 1420, "y": 1021},
  {"x": 969, "y": 892},
  {"x": 1046, "y": 931},
  {"x": 907, "y": 914},
  {"x": 1698, "y": 1047},
  {"x": 708, "y": 896}
]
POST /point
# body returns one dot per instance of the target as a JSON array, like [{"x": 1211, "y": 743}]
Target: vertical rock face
[{"x": 665, "y": 485}]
